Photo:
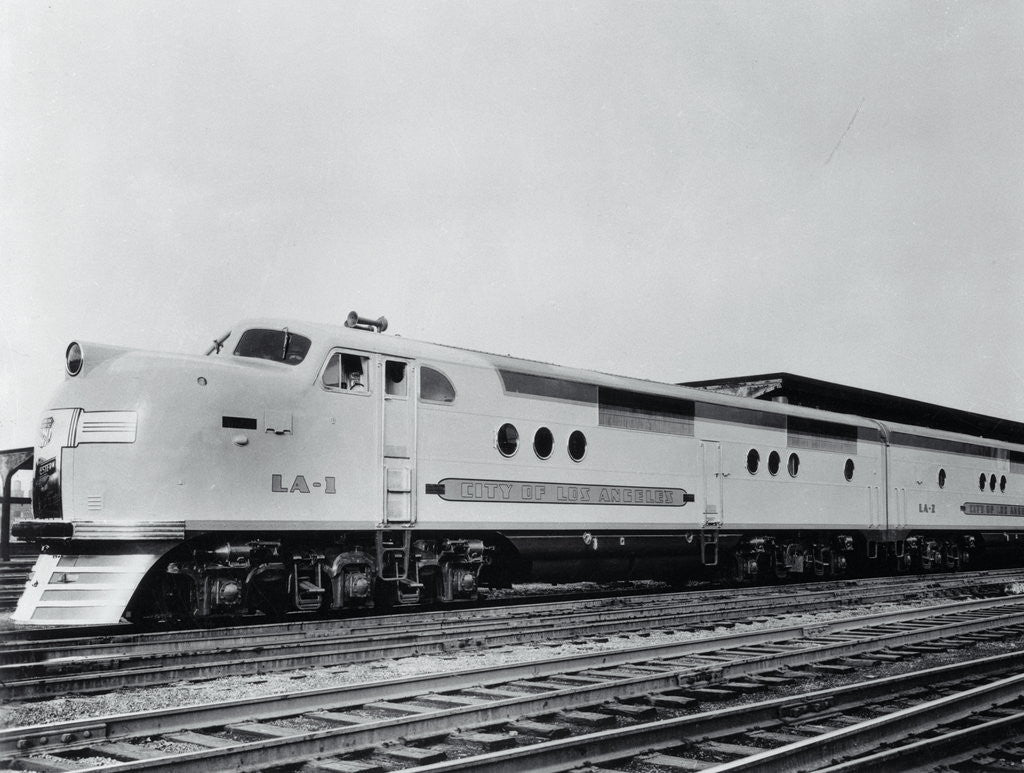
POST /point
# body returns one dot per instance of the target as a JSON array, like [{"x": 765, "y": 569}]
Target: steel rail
[
  {"x": 34, "y": 664},
  {"x": 670, "y": 675},
  {"x": 57, "y": 637},
  {"x": 125, "y": 633},
  {"x": 812, "y": 754},
  {"x": 656, "y": 610},
  {"x": 868, "y": 735},
  {"x": 63, "y": 636},
  {"x": 376, "y": 733},
  {"x": 86, "y": 675},
  {"x": 322, "y": 652},
  {"x": 450, "y": 624},
  {"x": 950, "y": 748}
]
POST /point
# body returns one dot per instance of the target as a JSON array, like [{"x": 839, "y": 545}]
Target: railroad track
[
  {"x": 599, "y": 708},
  {"x": 991, "y": 740},
  {"x": 127, "y": 633},
  {"x": 880, "y": 724},
  {"x": 13, "y": 575},
  {"x": 31, "y": 670}
]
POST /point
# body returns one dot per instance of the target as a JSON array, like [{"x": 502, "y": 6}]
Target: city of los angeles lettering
[
  {"x": 469, "y": 490},
  {"x": 988, "y": 508}
]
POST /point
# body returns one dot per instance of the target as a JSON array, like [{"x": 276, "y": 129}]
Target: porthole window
[
  {"x": 543, "y": 442},
  {"x": 981, "y": 481},
  {"x": 848, "y": 469},
  {"x": 508, "y": 439},
  {"x": 793, "y": 465},
  {"x": 1002, "y": 483},
  {"x": 577, "y": 445},
  {"x": 942, "y": 478},
  {"x": 774, "y": 461},
  {"x": 753, "y": 461},
  {"x": 992, "y": 482}
]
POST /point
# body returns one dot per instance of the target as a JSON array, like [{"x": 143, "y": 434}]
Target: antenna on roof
[
  {"x": 218, "y": 344},
  {"x": 362, "y": 323}
]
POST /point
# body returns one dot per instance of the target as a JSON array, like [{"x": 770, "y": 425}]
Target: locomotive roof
[
  {"x": 823, "y": 395},
  {"x": 327, "y": 336},
  {"x": 723, "y": 391}
]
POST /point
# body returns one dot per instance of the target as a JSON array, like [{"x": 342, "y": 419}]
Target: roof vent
[{"x": 362, "y": 323}]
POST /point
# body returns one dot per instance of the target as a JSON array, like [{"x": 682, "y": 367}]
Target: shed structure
[{"x": 812, "y": 393}]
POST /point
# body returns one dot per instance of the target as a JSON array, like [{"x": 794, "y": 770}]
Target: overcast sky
[{"x": 670, "y": 190}]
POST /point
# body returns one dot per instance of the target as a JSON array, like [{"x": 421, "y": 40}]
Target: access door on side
[
  {"x": 399, "y": 441},
  {"x": 711, "y": 455}
]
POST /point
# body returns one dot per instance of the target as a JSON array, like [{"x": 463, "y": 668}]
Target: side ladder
[
  {"x": 394, "y": 563},
  {"x": 709, "y": 544}
]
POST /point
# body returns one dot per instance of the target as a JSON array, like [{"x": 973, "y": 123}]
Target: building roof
[{"x": 812, "y": 393}]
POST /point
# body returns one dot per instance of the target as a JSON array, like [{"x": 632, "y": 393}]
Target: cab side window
[
  {"x": 347, "y": 371},
  {"x": 435, "y": 387},
  {"x": 395, "y": 383}
]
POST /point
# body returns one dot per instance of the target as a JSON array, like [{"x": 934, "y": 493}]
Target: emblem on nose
[{"x": 45, "y": 431}]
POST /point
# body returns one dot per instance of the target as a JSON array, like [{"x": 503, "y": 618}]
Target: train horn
[{"x": 362, "y": 323}]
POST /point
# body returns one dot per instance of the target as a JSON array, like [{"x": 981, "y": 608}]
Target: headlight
[{"x": 73, "y": 359}]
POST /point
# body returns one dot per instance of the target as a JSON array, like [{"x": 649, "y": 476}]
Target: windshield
[{"x": 276, "y": 345}]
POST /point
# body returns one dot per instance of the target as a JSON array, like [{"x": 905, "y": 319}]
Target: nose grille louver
[{"x": 107, "y": 427}]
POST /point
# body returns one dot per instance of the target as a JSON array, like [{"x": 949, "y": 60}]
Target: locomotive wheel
[
  {"x": 432, "y": 592},
  {"x": 384, "y": 596},
  {"x": 780, "y": 572},
  {"x": 268, "y": 593},
  {"x": 171, "y": 598}
]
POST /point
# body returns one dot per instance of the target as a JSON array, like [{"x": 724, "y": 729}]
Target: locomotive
[{"x": 314, "y": 468}]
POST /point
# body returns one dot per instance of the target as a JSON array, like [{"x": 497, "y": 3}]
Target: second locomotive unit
[{"x": 310, "y": 467}]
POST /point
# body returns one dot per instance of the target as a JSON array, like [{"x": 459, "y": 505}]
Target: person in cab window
[{"x": 355, "y": 382}]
